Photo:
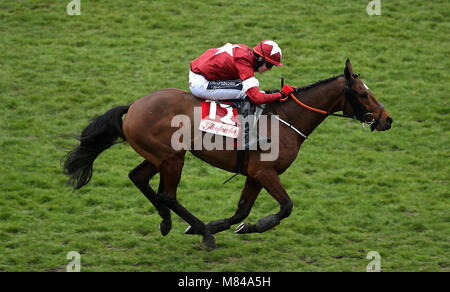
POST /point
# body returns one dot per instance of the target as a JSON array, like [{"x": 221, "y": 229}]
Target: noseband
[{"x": 373, "y": 122}]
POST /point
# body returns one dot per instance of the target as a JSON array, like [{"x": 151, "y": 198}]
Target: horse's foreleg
[
  {"x": 271, "y": 182},
  {"x": 141, "y": 176},
  {"x": 249, "y": 194},
  {"x": 170, "y": 171}
]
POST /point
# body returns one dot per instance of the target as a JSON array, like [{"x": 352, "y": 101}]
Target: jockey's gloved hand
[{"x": 286, "y": 90}]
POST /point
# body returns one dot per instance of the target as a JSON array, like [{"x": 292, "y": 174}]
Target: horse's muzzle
[{"x": 382, "y": 125}]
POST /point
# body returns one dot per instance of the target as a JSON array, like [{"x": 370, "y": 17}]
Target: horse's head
[{"x": 361, "y": 103}]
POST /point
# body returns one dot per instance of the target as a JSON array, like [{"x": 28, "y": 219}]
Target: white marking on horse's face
[{"x": 365, "y": 86}]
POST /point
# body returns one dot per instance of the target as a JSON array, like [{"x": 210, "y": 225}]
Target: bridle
[{"x": 366, "y": 117}]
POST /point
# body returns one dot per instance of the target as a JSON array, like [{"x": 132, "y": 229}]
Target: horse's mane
[
  {"x": 303, "y": 88},
  {"x": 320, "y": 82}
]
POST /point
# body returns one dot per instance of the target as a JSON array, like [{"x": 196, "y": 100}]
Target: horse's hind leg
[
  {"x": 141, "y": 176},
  {"x": 170, "y": 171}
]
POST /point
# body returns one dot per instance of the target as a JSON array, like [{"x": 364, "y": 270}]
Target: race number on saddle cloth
[
  {"x": 228, "y": 72},
  {"x": 220, "y": 118}
]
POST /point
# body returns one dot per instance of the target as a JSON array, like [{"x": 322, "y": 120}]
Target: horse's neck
[{"x": 327, "y": 97}]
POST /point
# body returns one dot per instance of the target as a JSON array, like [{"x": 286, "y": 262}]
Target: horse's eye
[{"x": 364, "y": 95}]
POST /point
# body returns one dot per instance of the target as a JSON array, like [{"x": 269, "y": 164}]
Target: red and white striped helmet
[{"x": 270, "y": 51}]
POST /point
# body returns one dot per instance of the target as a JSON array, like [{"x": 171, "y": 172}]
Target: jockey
[{"x": 228, "y": 72}]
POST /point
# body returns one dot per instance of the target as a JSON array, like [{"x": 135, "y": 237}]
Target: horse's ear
[{"x": 348, "y": 72}]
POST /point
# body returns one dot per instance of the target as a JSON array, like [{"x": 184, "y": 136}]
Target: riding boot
[{"x": 248, "y": 123}]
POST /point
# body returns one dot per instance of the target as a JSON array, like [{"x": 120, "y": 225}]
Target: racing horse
[{"x": 148, "y": 129}]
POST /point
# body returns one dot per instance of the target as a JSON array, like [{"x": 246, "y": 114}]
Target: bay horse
[{"x": 148, "y": 130}]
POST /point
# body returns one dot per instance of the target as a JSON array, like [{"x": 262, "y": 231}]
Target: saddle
[{"x": 230, "y": 118}]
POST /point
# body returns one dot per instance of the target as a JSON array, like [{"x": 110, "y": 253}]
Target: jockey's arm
[
  {"x": 251, "y": 84},
  {"x": 256, "y": 96}
]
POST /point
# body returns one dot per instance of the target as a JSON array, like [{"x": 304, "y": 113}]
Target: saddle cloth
[{"x": 223, "y": 118}]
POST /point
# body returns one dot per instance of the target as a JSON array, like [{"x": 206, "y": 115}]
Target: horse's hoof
[
  {"x": 209, "y": 241},
  {"x": 165, "y": 227},
  {"x": 242, "y": 228},
  {"x": 190, "y": 230}
]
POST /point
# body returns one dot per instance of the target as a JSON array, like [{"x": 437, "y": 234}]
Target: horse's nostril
[{"x": 389, "y": 121}]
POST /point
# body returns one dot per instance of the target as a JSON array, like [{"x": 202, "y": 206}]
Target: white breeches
[{"x": 216, "y": 90}]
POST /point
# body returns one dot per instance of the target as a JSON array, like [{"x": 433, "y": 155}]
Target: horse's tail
[{"x": 98, "y": 136}]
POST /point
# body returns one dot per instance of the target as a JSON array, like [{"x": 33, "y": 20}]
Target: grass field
[{"x": 353, "y": 191}]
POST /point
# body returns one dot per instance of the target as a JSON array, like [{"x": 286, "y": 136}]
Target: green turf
[{"x": 353, "y": 191}]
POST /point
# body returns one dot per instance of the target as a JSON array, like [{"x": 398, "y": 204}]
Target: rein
[{"x": 315, "y": 109}]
